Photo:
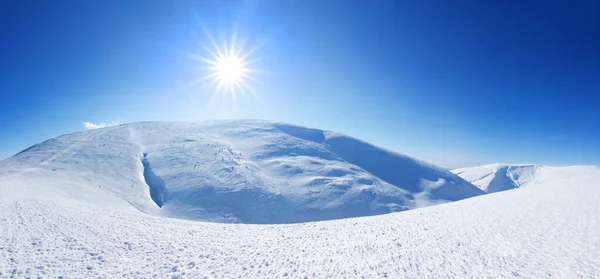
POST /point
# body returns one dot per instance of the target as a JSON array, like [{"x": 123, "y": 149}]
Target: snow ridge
[
  {"x": 499, "y": 177},
  {"x": 242, "y": 171}
]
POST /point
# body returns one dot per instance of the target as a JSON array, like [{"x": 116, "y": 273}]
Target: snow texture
[
  {"x": 238, "y": 172},
  {"x": 499, "y": 177},
  {"x": 78, "y": 206}
]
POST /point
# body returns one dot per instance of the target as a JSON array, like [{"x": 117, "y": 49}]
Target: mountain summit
[
  {"x": 500, "y": 177},
  {"x": 242, "y": 171}
]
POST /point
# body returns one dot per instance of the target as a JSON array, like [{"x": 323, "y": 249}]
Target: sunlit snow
[{"x": 99, "y": 204}]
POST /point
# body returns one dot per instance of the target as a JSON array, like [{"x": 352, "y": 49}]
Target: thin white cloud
[{"x": 92, "y": 126}]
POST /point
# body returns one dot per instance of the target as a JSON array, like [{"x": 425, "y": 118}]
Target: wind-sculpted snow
[
  {"x": 500, "y": 177},
  {"x": 80, "y": 206},
  {"x": 405, "y": 172},
  {"x": 237, "y": 171},
  {"x": 544, "y": 230}
]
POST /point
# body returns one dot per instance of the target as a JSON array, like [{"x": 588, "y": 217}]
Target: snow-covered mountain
[
  {"x": 246, "y": 171},
  {"x": 51, "y": 226},
  {"x": 500, "y": 177},
  {"x": 93, "y": 205}
]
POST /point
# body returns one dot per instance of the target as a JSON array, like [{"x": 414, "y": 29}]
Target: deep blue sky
[{"x": 456, "y": 83}]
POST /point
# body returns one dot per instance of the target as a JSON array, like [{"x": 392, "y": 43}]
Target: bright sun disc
[
  {"x": 229, "y": 70},
  {"x": 228, "y": 67}
]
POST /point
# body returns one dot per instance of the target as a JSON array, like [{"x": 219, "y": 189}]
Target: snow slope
[
  {"x": 499, "y": 177},
  {"x": 243, "y": 171},
  {"x": 545, "y": 230}
]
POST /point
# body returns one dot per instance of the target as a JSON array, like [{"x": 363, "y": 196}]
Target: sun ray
[{"x": 229, "y": 64}]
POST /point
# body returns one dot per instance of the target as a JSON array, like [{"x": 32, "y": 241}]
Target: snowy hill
[
  {"x": 93, "y": 204},
  {"x": 545, "y": 230},
  {"x": 246, "y": 171},
  {"x": 499, "y": 177}
]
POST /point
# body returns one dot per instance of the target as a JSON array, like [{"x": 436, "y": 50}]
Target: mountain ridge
[
  {"x": 248, "y": 171},
  {"x": 499, "y": 177}
]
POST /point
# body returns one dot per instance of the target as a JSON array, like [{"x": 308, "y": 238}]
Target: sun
[
  {"x": 229, "y": 66},
  {"x": 229, "y": 70}
]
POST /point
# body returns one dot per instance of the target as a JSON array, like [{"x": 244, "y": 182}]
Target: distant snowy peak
[
  {"x": 500, "y": 177},
  {"x": 247, "y": 171}
]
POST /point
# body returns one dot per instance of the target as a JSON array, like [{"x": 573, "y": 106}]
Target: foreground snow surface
[{"x": 545, "y": 230}]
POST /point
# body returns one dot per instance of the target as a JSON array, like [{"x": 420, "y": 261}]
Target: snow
[
  {"x": 78, "y": 206},
  {"x": 500, "y": 177},
  {"x": 244, "y": 171}
]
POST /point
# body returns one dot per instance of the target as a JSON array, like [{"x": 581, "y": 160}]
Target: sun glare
[
  {"x": 228, "y": 66},
  {"x": 229, "y": 70}
]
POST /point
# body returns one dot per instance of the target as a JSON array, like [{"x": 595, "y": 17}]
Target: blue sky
[{"x": 456, "y": 83}]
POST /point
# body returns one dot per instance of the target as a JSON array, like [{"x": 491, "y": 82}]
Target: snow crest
[
  {"x": 243, "y": 171},
  {"x": 499, "y": 177}
]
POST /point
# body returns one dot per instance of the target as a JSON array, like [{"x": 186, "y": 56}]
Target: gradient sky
[{"x": 456, "y": 83}]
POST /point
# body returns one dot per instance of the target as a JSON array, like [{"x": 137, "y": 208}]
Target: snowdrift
[{"x": 244, "y": 171}]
